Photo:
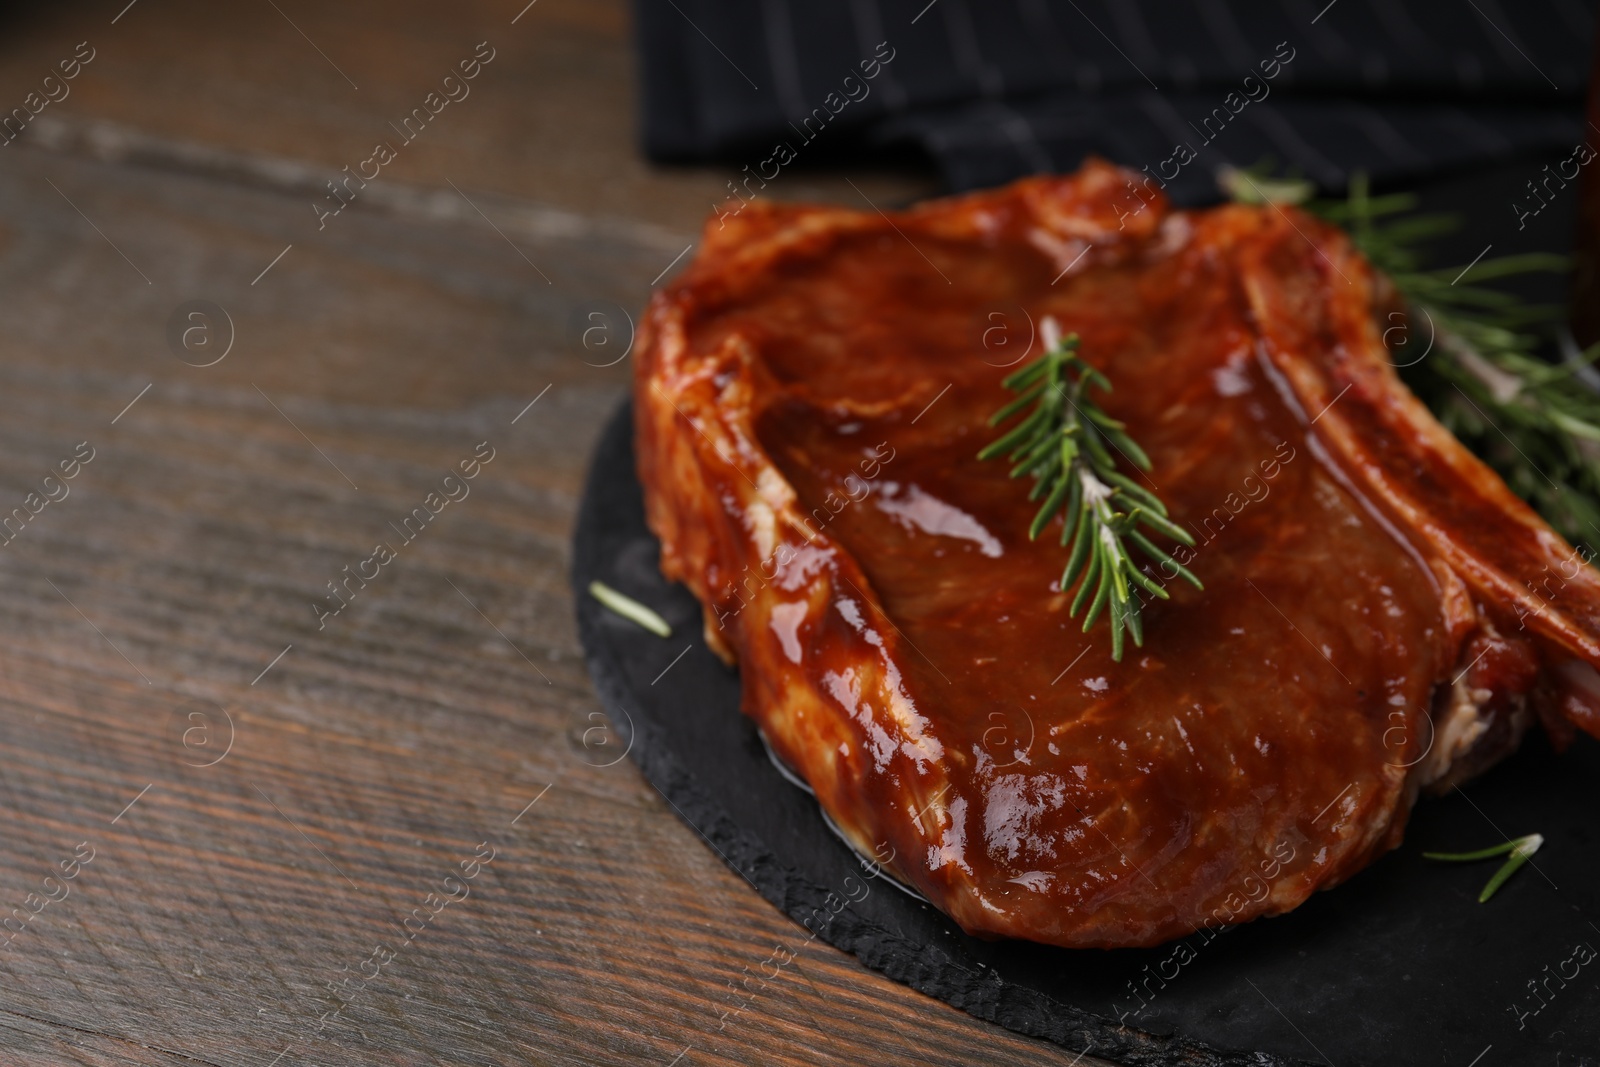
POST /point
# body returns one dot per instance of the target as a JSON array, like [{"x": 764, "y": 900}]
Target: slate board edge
[{"x": 1021, "y": 1010}]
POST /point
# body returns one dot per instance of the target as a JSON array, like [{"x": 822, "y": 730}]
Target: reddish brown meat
[{"x": 810, "y": 399}]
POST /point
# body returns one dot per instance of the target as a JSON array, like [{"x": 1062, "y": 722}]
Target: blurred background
[
  {"x": 281, "y": 267},
  {"x": 987, "y": 93}
]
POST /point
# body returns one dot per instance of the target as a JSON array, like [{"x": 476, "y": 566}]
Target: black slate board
[{"x": 1400, "y": 965}]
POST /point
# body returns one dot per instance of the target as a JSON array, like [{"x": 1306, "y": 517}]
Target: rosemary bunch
[
  {"x": 1063, "y": 445},
  {"x": 1536, "y": 423}
]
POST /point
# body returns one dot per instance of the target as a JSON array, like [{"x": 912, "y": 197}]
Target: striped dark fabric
[{"x": 994, "y": 90}]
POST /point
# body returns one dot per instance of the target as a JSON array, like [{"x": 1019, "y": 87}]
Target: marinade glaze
[{"x": 811, "y": 398}]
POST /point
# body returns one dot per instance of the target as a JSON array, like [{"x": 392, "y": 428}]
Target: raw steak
[{"x": 1380, "y": 613}]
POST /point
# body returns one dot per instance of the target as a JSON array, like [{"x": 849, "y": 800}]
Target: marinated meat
[{"x": 1380, "y": 612}]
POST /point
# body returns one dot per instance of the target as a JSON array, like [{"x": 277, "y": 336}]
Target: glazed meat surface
[{"x": 1378, "y": 615}]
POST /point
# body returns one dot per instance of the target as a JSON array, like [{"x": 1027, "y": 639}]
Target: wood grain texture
[{"x": 259, "y": 823}]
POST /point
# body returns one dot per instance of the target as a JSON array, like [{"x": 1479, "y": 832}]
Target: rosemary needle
[
  {"x": 629, "y": 609},
  {"x": 1063, "y": 444},
  {"x": 1520, "y": 850}
]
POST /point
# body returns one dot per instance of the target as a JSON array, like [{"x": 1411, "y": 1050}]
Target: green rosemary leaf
[
  {"x": 1151, "y": 549},
  {"x": 1255, "y": 186},
  {"x": 1143, "y": 497},
  {"x": 1507, "y": 266},
  {"x": 1030, "y": 462},
  {"x": 1052, "y": 505},
  {"x": 1520, "y": 849},
  {"x": 1119, "y": 621},
  {"x": 1018, "y": 435},
  {"x": 1575, "y": 426},
  {"x": 1129, "y": 448},
  {"x": 1105, "y": 578},
  {"x": 629, "y": 609},
  {"x": 1162, "y": 524},
  {"x": 1101, "y": 419},
  {"x": 1089, "y": 575},
  {"x": 1065, "y": 443},
  {"x": 1094, "y": 445},
  {"x": 1472, "y": 857},
  {"x": 1134, "y": 621},
  {"x": 1028, "y": 397},
  {"x": 1148, "y": 584},
  {"x": 1023, "y": 378},
  {"x": 1069, "y": 518}
]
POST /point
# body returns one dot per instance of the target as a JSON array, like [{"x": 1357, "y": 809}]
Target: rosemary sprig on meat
[
  {"x": 1478, "y": 366},
  {"x": 1064, "y": 444}
]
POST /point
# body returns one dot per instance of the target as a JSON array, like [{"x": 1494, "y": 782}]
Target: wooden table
[{"x": 268, "y": 811}]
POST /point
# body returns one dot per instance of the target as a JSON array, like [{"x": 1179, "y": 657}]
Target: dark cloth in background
[{"x": 994, "y": 89}]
